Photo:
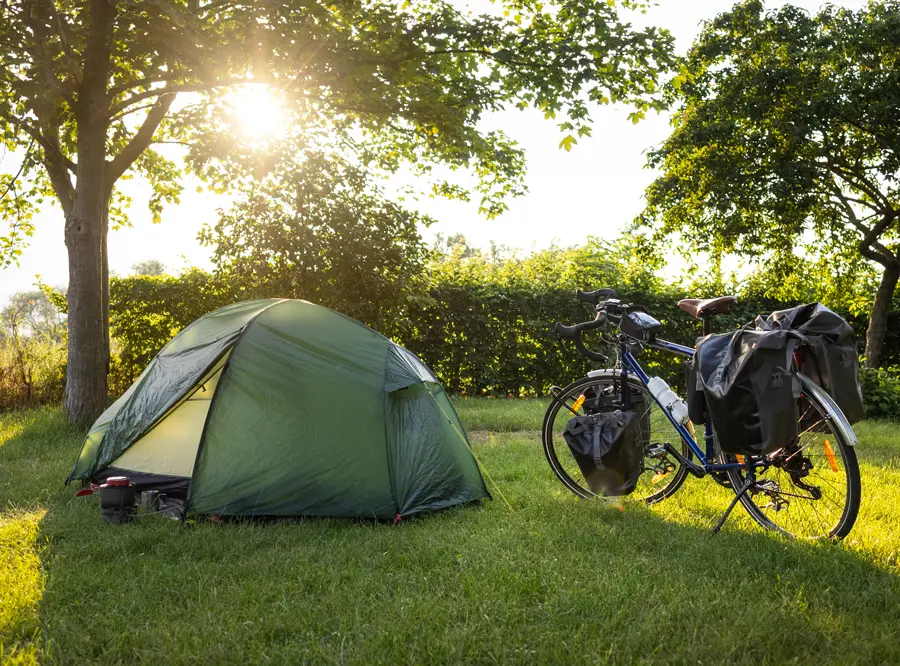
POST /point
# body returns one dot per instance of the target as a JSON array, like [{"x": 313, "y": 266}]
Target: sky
[{"x": 595, "y": 189}]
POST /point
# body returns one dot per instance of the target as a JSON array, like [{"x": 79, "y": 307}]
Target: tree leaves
[
  {"x": 780, "y": 135},
  {"x": 392, "y": 84}
]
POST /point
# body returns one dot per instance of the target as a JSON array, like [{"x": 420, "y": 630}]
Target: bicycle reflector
[
  {"x": 829, "y": 455},
  {"x": 578, "y": 403}
]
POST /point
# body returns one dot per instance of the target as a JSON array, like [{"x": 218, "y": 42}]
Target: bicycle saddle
[{"x": 697, "y": 307}]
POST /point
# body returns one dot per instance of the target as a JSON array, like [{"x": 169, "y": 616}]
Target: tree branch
[
  {"x": 42, "y": 58},
  {"x": 15, "y": 178},
  {"x": 117, "y": 90},
  {"x": 172, "y": 90},
  {"x": 869, "y": 246},
  {"x": 139, "y": 142},
  {"x": 860, "y": 183},
  {"x": 57, "y": 164}
]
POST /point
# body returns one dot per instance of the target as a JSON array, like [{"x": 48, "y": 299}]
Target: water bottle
[{"x": 668, "y": 399}]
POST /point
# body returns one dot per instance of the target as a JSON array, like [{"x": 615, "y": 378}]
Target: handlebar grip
[
  {"x": 594, "y": 297},
  {"x": 574, "y": 331},
  {"x": 568, "y": 332}
]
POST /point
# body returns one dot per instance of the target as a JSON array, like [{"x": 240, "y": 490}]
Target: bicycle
[{"x": 810, "y": 489}]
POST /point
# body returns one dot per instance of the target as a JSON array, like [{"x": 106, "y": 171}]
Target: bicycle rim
[
  {"x": 822, "y": 462},
  {"x": 662, "y": 475}
]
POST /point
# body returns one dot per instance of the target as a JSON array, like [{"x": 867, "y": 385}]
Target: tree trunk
[
  {"x": 104, "y": 280},
  {"x": 878, "y": 320},
  {"x": 86, "y": 389}
]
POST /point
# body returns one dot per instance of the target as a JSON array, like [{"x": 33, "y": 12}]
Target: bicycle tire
[
  {"x": 559, "y": 469},
  {"x": 838, "y": 431}
]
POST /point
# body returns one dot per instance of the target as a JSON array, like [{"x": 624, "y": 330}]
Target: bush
[
  {"x": 32, "y": 351},
  {"x": 881, "y": 392},
  {"x": 32, "y": 372}
]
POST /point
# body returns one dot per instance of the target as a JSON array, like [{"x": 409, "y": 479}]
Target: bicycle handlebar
[
  {"x": 594, "y": 297},
  {"x": 574, "y": 333}
]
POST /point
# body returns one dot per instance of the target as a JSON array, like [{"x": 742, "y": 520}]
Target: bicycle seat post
[{"x": 707, "y": 324}]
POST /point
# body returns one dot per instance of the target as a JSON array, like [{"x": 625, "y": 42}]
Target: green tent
[{"x": 285, "y": 408}]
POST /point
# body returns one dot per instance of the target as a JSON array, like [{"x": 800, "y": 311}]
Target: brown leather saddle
[{"x": 705, "y": 307}]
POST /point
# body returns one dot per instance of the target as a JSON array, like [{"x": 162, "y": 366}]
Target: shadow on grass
[{"x": 555, "y": 580}]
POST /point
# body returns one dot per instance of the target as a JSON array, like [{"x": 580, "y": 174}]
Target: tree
[
  {"x": 87, "y": 87},
  {"x": 30, "y": 314},
  {"x": 149, "y": 267},
  {"x": 787, "y": 133},
  {"x": 32, "y": 332},
  {"x": 316, "y": 228}
]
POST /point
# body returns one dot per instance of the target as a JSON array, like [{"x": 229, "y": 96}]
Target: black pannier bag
[
  {"x": 598, "y": 401},
  {"x": 607, "y": 447},
  {"x": 828, "y": 357},
  {"x": 748, "y": 389}
]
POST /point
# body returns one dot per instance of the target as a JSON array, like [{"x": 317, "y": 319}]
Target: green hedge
[{"x": 483, "y": 324}]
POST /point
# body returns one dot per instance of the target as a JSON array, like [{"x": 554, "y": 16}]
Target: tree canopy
[
  {"x": 149, "y": 267},
  {"x": 785, "y": 137},
  {"x": 320, "y": 230},
  {"x": 89, "y": 89}
]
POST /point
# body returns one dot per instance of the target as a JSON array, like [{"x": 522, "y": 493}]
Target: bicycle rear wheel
[
  {"x": 662, "y": 475},
  {"x": 812, "y": 489}
]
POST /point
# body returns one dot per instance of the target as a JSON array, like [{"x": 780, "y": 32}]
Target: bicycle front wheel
[
  {"x": 662, "y": 474},
  {"x": 811, "y": 490}
]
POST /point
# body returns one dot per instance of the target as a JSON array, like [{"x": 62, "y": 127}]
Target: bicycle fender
[{"x": 834, "y": 412}]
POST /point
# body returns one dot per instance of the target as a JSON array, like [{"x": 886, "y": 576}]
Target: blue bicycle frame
[{"x": 630, "y": 364}]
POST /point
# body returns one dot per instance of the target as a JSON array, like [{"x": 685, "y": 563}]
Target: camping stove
[{"x": 117, "y": 497}]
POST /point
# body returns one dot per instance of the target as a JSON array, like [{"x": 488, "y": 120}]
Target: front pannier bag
[
  {"x": 829, "y": 356},
  {"x": 748, "y": 389},
  {"x": 607, "y": 447}
]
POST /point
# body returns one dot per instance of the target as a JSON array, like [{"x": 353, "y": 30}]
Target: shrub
[
  {"x": 881, "y": 392},
  {"x": 32, "y": 371}
]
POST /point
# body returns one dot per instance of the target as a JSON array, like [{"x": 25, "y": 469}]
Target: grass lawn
[{"x": 551, "y": 580}]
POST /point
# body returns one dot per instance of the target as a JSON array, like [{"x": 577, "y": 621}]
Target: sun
[{"x": 257, "y": 113}]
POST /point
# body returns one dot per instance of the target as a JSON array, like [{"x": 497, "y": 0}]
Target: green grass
[
  {"x": 554, "y": 580},
  {"x": 501, "y": 414}
]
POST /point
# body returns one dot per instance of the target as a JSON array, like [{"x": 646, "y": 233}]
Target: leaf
[{"x": 567, "y": 142}]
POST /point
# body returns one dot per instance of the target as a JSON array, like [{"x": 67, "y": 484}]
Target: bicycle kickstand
[{"x": 737, "y": 496}]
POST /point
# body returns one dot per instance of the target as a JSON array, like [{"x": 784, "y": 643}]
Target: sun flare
[{"x": 257, "y": 113}]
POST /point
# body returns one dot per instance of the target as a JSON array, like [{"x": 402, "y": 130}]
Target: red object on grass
[{"x": 84, "y": 491}]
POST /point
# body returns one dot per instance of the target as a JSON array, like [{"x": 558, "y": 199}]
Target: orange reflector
[
  {"x": 829, "y": 455},
  {"x": 740, "y": 459},
  {"x": 578, "y": 403},
  {"x": 659, "y": 477}
]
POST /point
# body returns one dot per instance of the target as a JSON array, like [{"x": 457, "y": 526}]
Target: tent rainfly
[{"x": 285, "y": 408}]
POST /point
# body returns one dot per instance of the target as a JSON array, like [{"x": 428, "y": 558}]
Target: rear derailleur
[{"x": 799, "y": 467}]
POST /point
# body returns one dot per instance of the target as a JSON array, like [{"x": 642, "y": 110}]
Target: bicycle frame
[{"x": 630, "y": 364}]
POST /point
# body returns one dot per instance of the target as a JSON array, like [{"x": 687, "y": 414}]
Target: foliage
[
  {"x": 322, "y": 231},
  {"x": 487, "y": 326},
  {"x": 413, "y": 81},
  {"x": 88, "y": 89},
  {"x": 881, "y": 392},
  {"x": 784, "y": 136},
  {"x": 555, "y": 580},
  {"x": 32, "y": 372},
  {"x": 147, "y": 311},
  {"x": 32, "y": 351},
  {"x": 483, "y": 322},
  {"x": 31, "y": 313}
]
